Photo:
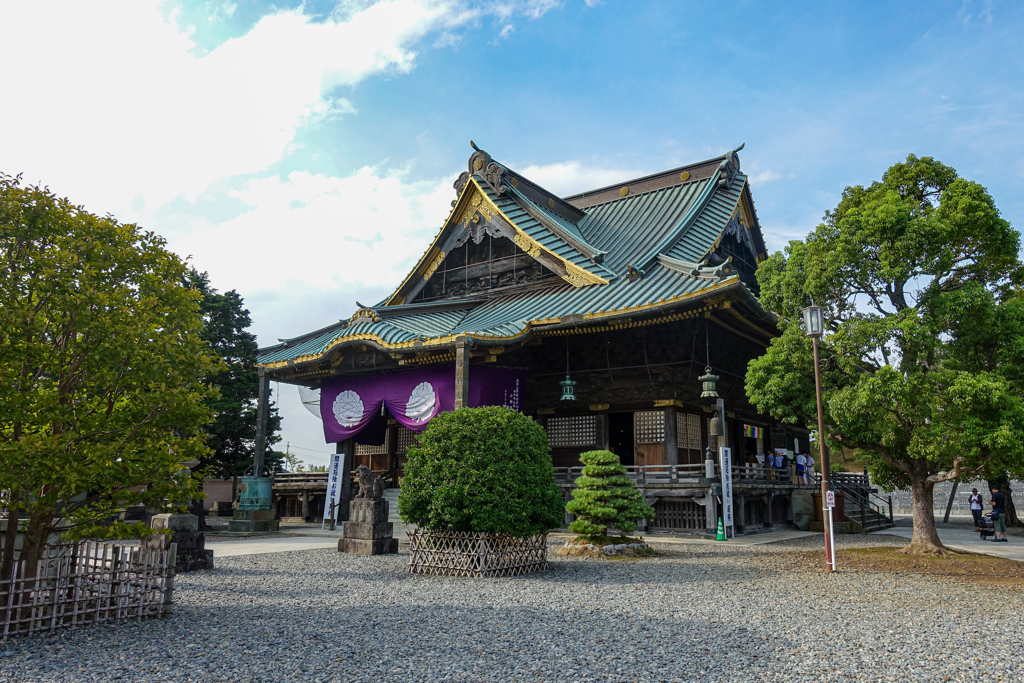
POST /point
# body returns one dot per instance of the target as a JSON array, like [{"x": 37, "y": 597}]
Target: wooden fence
[
  {"x": 471, "y": 553},
  {"x": 87, "y": 583}
]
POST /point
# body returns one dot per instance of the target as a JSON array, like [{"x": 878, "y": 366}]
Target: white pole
[{"x": 832, "y": 540}]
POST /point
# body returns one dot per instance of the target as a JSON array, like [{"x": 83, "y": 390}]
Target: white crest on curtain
[
  {"x": 348, "y": 409},
  {"x": 421, "y": 402}
]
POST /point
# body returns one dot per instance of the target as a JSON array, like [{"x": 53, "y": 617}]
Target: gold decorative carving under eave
[
  {"x": 434, "y": 264},
  {"x": 546, "y": 411},
  {"x": 668, "y": 403},
  {"x": 599, "y": 406},
  {"x": 527, "y": 244},
  {"x": 398, "y": 300},
  {"x": 477, "y": 202},
  {"x": 578, "y": 277}
]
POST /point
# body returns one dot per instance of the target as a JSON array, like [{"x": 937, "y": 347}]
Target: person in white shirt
[
  {"x": 801, "y": 468},
  {"x": 810, "y": 467},
  {"x": 976, "y": 508}
]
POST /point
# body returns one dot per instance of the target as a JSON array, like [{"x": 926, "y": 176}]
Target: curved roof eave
[{"x": 730, "y": 286}]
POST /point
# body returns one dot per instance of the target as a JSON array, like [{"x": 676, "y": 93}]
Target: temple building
[{"x": 596, "y": 314}]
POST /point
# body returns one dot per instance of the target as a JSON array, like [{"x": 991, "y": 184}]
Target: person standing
[
  {"x": 801, "y": 468},
  {"x": 810, "y": 468},
  {"x": 998, "y": 515},
  {"x": 976, "y": 507}
]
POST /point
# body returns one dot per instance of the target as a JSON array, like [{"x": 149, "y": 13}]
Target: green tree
[
  {"x": 232, "y": 440},
  {"x": 481, "y": 469},
  {"x": 605, "y": 498},
  {"x": 905, "y": 269},
  {"x": 102, "y": 370}
]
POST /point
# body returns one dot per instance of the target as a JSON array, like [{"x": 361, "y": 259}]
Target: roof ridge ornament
[
  {"x": 481, "y": 164},
  {"x": 729, "y": 167}
]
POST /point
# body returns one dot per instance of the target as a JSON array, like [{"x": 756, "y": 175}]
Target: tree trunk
[
  {"x": 196, "y": 508},
  {"x": 925, "y": 540},
  {"x": 1003, "y": 483},
  {"x": 10, "y": 538}
]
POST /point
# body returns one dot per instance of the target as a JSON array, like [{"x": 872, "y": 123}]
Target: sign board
[
  {"x": 725, "y": 463},
  {"x": 333, "y": 486},
  {"x": 830, "y": 499}
]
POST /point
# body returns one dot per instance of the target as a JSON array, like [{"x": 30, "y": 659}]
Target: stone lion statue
[{"x": 370, "y": 486}]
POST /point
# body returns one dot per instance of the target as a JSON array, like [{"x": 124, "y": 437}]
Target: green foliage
[
  {"x": 233, "y": 432},
  {"x": 923, "y": 356},
  {"x": 481, "y": 469},
  {"x": 102, "y": 367},
  {"x": 605, "y": 498}
]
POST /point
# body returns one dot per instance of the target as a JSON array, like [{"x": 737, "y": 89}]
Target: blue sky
[{"x": 303, "y": 153}]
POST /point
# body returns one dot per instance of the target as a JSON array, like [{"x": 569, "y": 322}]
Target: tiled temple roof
[{"x": 622, "y": 249}]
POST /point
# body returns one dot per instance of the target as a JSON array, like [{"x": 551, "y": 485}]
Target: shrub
[
  {"x": 605, "y": 497},
  {"x": 481, "y": 469}
]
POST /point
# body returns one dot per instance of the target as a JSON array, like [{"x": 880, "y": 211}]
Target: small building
[{"x": 596, "y": 314}]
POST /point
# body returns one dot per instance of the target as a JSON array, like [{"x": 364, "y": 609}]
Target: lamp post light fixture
[
  {"x": 814, "y": 325},
  {"x": 568, "y": 388}
]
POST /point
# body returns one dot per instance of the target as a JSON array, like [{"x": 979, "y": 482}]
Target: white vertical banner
[
  {"x": 333, "y": 487},
  {"x": 725, "y": 463}
]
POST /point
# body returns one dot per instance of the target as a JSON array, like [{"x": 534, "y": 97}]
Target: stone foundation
[
  {"x": 254, "y": 520},
  {"x": 192, "y": 552},
  {"x": 368, "y": 531}
]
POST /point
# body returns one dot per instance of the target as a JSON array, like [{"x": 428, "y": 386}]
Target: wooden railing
[
  {"x": 299, "y": 479},
  {"x": 651, "y": 474},
  {"x": 670, "y": 474}
]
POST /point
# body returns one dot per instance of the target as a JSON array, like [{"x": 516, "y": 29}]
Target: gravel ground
[{"x": 698, "y": 612}]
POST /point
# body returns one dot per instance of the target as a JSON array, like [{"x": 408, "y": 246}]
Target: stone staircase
[{"x": 400, "y": 526}]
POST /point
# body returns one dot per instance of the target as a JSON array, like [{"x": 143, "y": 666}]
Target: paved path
[
  {"x": 965, "y": 539},
  {"x": 753, "y": 539},
  {"x": 258, "y": 546}
]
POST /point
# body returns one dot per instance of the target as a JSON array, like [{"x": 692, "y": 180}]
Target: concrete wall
[
  {"x": 217, "y": 490},
  {"x": 901, "y": 499}
]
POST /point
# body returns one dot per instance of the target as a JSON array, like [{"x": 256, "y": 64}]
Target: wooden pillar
[
  {"x": 347, "y": 449},
  {"x": 768, "y": 516},
  {"x": 392, "y": 443},
  {"x": 602, "y": 432},
  {"x": 740, "y": 507},
  {"x": 671, "y": 437},
  {"x": 305, "y": 505},
  {"x": 261, "y": 422},
  {"x": 461, "y": 373}
]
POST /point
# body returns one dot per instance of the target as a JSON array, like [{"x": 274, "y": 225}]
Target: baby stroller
[{"x": 987, "y": 528}]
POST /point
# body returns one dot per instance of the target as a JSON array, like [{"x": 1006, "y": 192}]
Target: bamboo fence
[
  {"x": 471, "y": 553},
  {"x": 87, "y": 583}
]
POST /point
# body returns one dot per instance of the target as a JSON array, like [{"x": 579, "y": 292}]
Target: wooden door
[{"x": 649, "y": 436}]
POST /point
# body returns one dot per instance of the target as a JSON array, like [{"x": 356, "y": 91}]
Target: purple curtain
[{"x": 349, "y": 404}]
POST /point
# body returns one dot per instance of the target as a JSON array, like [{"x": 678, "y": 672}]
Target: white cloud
[
  {"x": 571, "y": 177},
  {"x": 322, "y": 234},
  {"x": 116, "y": 107}
]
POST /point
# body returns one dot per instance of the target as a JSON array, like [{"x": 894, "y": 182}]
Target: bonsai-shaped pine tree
[{"x": 605, "y": 498}]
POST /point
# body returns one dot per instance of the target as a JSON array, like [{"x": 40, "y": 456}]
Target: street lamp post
[{"x": 814, "y": 325}]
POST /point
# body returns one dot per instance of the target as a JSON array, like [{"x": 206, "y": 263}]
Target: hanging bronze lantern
[
  {"x": 568, "y": 388},
  {"x": 709, "y": 381}
]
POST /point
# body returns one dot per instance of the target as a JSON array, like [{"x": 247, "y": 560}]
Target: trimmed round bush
[
  {"x": 605, "y": 497},
  {"x": 481, "y": 469}
]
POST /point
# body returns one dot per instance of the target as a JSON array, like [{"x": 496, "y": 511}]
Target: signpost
[
  {"x": 333, "y": 489},
  {"x": 830, "y": 556},
  {"x": 725, "y": 463}
]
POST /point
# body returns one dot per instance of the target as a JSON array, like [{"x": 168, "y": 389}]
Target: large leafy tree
[
  {"x": 226, "y": 325},
  {"x": 911, "y": 271},
  {"x": 102, "y": 370}
]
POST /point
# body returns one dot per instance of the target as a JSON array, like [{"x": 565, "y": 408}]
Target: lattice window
[
  {"x": 567, "y": 432},
  {"x": 688, "y": 431},
  {"x": 366, "y": 449},
  {"x": 406, "y": 438},
  {"x": 649, "y": 426}
]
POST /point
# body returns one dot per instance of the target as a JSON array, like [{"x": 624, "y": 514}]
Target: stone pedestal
[
  {"x": 192, "y": 552},
  {"x": 254, "y": 520},
  {"x": 368, "y": 531}
]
